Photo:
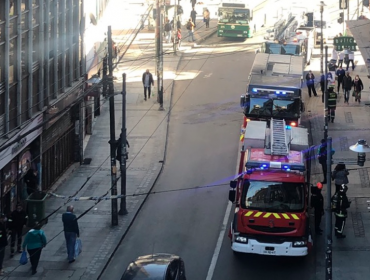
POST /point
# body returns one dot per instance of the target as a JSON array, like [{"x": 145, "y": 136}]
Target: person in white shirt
[
  {"x": 351, "y": 57},
  {"x": 341, "y": 57},
  {"x": 334, "y": 56}
]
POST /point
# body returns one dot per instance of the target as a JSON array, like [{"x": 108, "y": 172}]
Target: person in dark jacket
[
  {"x": 148, "y": 81},
  {"x": 3, "y": 241},
  {"x": 35, "y": 240},
  {"x": 193, "y": 16},
  {"x": 317, "y": 202},
  {"x": 31, "y": 181},
  {"x": 340, "y": 75},
  {"x": 310, "y": 81},
  {"x": 358, "y": 86},
  {"x": 71, "y": 232},
  {"x": 339, "y": 175},
  {"x": 347, "y": 86},
  {"x": 16, "y": 223},
  {"x": 322, "y": 157},
  {"x": 340, "y": 211}
]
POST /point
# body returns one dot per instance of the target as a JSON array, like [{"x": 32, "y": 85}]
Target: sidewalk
[
  {"x": 351, "y": 123},
  {"x": 147, "y": 134}
]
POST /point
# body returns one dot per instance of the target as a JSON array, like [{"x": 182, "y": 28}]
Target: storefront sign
[
  {"x": 9, "y": 153},
  {"x": 345, "y": 42}
]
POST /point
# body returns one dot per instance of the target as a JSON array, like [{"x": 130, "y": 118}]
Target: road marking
[{"x": 216, "y": 253}]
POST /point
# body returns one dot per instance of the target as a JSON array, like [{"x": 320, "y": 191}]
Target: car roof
[{"x": 149, "y": 267}]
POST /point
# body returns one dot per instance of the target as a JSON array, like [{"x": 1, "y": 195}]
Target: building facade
[{"x": 42, "y": 92}]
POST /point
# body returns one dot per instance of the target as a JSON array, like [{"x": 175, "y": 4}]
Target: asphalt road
[{"x": 202, "y": 150}]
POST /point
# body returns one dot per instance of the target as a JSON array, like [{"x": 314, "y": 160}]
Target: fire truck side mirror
[
  {"x": 242, "y": 101},
  {"x": 232, "y": 195}
]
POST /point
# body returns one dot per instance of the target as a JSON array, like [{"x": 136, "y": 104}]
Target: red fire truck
[{"x": 271, "y": 191}]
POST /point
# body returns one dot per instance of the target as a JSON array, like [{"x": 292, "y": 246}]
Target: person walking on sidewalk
[
  {"x": 193, "y": 16},
  {"x": 322, "y": 157},
  {"x": 340, "y": 211},
  {"x": 71, "y": 232},
  {"x": 206, "y": 17},
  {"x": 332, "y": 102},
  {"x": 347, "y": 86},
  {"x": 341, "y": 58},
  {"x": 340, "y": 75},
  {"x": 351, "y": 57},
  {"x": 310, "y": 81},
  {"x": 358, "y": 86},
  {"x": 317, "y": 202},
  {"x": 339, "y": 175},
  {"x": 16, "y": 223},
  {"x": 35, "y": 240},
  {"x": 178, "y": 37},
  {"x": 3, "y": 241},
  {"x": 167, "y": 31},
  {"x": 148, "y": 81},
  {"x": 190, "y": 27}
]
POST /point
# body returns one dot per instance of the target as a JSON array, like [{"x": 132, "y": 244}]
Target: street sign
[
  {"x": 343, "y": 4},
  {"x": 345, "y": 42}
]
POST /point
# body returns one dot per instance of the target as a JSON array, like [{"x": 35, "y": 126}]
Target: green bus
[{"x": 234, "y": 21}]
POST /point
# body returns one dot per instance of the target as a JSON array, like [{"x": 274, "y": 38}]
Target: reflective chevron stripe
[{"x": 256, "y": 214}]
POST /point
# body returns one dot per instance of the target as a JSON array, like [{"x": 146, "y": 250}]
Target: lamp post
[
  {"x": 361, "y": 147},
  {"x": 321, "y": 37}
]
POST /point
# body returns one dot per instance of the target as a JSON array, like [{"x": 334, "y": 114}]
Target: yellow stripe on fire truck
[{"x": 256, "y": 214}]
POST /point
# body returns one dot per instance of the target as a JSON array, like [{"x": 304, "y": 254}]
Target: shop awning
[{"x": 360, "y": 30}]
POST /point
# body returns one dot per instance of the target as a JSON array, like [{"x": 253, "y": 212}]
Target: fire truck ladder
[{"x": 279, "y": 145}]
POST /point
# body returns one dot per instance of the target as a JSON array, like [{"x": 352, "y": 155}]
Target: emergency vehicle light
[
  {"x": 274, "y": 165},
  {"x": 288, "y": 127},
  {"x": 266, "y": 90},
  {"x": 281, "y": 92}
]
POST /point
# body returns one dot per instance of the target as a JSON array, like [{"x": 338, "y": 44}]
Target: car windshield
[
  {"x": 291, "y": 49},
  {"x": 260, "y": 106},
  {"x": 273, "y": 196},
  {"x": 232, "y": 15},
  {"x": 286, "y": 108}
]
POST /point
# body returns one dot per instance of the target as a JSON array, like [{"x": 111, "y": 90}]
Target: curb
[{"x": 150, "y": 189}]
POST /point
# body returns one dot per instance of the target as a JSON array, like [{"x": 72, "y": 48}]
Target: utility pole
[
  {"x": 158, "y": 41},
  {"x": 175, "y": 29},
  {"x": 159, "y": 52},
  {"x": 113, "y": 144},
  {"x": 328, "y": 217},
  {"x": 326, "y": 113},
  {"x": 105, "y": 68},
  {"x": 123, "y": 155},
  {"x": 322, "y": 38}
]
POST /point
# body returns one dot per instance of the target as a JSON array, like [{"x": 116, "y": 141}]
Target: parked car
[{"x": 156, "y": 267}]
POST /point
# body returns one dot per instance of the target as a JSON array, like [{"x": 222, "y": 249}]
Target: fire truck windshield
[
  {"x": 268, "y": 107},
  {"x": 286, "y": 108},
  {"x": 273, "y": 196}
]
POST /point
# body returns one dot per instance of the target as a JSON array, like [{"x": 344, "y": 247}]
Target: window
[
  {"x": 260, "y": 106},
  {"x": 12, "y": 107},
  {"x": 36, "y": 44},
  {"x": 286, "y": 108}
]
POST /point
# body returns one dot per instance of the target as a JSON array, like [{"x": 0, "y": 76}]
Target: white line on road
[{"x": 216, "y": 253}]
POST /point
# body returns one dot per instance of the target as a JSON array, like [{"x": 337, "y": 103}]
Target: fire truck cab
[{"x": 271, "y": 191}]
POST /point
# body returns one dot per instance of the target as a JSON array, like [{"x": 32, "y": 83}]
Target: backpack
[
  {"x": 188, "y": 25},
  {"x": 167, "y": 27}
]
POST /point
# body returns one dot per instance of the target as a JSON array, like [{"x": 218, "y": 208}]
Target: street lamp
[{"x": 361, "y": 147}]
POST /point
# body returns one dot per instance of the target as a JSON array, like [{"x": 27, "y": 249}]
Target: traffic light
[
  {"x": 343, "y": 4},
  {"x": 341, "y": 18}
]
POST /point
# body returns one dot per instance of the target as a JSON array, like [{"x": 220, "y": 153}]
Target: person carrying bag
[{"x": 339, "y": 176}]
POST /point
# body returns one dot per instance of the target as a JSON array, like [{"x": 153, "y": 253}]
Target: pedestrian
[
  {"x": 206, "y": 17},
  {"x": 35, "y": 240},
  {"x": 167, "y": 31},
  {"x": 310, "y": 81},
  {"x": 340, "y": 75},
  {"x": 339, "y": 176},
  {"x": 341, "y": 58},
  {"x": 178, "y": 36},
  {"x": 317, "y": 202},
  {"x": 193, "y": 2},
  {"x": 340, "y": 211},
  {"x": 358, "y": 86},
  {"x": 190, "y": 27},
  {"x": 347, "y": 86},
  {"x": 193, "y": 16},
  {"x": 351, "y": 57},
  {"x": 332, "y": 102},
  {"x": 31, "y": 181},
  {"x": 322, "y": 157},
  {"x": 16, "y": 223},
  {"x": 71, "y": 232},
  {"x": 3, "y": 241},
  {"x": 148, "y": 81},
  {"x": 334, "y": 57}
]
